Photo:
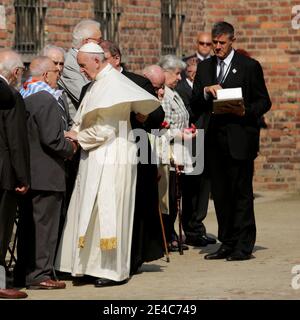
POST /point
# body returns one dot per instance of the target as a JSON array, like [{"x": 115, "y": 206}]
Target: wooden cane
[
  {"x": 179, "y": 213},
  {"x": 163, "y": 234}
]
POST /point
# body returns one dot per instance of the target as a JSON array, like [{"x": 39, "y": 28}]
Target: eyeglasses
[
  {"x": 98, "y": 40},
  {"x": 58, "y": 63},
  {"x": 202, "y": 43}
]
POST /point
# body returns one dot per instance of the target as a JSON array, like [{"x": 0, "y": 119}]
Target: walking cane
[
  {"x": 163, "y": 234},
  {"x": 179, "y": 170}
]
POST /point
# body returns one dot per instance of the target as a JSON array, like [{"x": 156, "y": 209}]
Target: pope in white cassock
[{"x": 96, "y": 239}]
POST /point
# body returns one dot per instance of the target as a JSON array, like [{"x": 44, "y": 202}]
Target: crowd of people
[{"x": 77, "y": 143}]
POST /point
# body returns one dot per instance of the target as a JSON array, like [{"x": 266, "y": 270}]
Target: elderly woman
[{"x": 177, "y": 116}]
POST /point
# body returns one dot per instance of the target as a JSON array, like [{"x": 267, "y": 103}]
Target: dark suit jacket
[
  {"x": 48, "y": 147},
  {"x": 185, "y": 91},
  {"x": 6, "y": 96},
  {"x": 241, "y": 133},
  {"x": 14, "y": 148}
]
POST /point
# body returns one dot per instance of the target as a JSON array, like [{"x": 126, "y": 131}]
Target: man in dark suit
[
  {"x": 41, "y": 212},
  {"x": 232, "y": 140},
  {"x": 14, "y": 154},
  {"x": 7, "y": 98}
]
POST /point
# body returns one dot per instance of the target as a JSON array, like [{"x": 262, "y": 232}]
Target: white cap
[{"x": 91, "y": 47}]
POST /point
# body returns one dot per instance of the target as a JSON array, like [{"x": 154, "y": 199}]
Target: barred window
[
  {"x": 171, "y": 26},
  {"x": 30, "y": 19},
  {"x": 108, "y": 14}
]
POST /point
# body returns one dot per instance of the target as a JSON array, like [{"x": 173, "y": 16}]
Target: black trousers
[
  {"x": 40, "y": 214},
  {"x": 232, "y": 191},
  {"x": 195, "y": 198},
  {"x": 8, "y": 209}
]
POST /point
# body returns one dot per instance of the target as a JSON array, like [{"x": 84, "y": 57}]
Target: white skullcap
[{"x": 91, "y": 47}]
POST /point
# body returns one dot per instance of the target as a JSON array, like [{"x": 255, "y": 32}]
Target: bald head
[
  {"x": 204, "y": 44},
  {"x": 156, "y": 76},
  {"x": 40, "y": 65},
  {"x": 11, "y": 66},
  {"x": 56, "y": 54},
  {"x": 43, "y": 69}
]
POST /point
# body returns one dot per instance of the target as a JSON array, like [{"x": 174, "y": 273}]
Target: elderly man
[
  {"x": 43, "y": 207},
  {"x": 57, "y": 55},
  {"x": 72, "y": 80},
  {"x": 157, "y": 77},
  {"x": 97, "y": 235},
  {"x": 14, "y": 153}
]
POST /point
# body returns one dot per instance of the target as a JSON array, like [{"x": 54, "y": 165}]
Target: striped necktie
[{"x": 221, "y": 72}]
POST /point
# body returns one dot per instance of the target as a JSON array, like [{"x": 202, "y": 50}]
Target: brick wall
[{"x": 263, "y": 28}]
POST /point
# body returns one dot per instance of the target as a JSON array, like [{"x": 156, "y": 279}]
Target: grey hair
[
  {"x": 171, "y": 62},
  {"x": 9, "y": 60},
  {"x": 222, "y": 27},
  {"x": 83, "y": 31},
  {"x": 40, "y": 65},
  {"x": 49, "y": 47}
]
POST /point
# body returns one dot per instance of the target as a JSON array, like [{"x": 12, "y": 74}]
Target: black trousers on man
[
  {"x": 232, "y": 192},
  {"x": 195, "y": 198},
  {"x": 38, "y": 235}
]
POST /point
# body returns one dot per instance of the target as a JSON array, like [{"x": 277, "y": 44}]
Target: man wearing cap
[{"x": 96, "y": 240}]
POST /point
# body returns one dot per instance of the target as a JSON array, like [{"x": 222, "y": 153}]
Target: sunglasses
[{"x": 204, "y": 43}]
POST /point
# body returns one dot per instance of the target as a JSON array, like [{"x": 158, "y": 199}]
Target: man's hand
[
  {"x": 212, "y": 90},
  {"x": 22, "y": 190},
  {"x": 72, "y": 135},
  {"x": 141, "y": 118}
]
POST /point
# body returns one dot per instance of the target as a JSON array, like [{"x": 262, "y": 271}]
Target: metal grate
[
  {"x": 108, "y": 14},
  {"x": 172, "y": 21},
  {"x": 30, "y": 18}
]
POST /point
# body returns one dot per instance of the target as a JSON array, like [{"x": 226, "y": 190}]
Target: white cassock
[{"x": 97, "y": 234}]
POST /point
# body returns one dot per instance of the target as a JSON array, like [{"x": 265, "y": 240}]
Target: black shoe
[
  {"x": 208, "y": 239},
  {"x": 222, "y": 253},
  {"x": 238, "y": 256},
  {"x": 103, "y": 282},
  {"x": 175, "y": 247},
  {"x": 202, "y": 241}
]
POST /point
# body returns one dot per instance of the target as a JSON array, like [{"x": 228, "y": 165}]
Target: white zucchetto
[{"x": 91, "y": 47}]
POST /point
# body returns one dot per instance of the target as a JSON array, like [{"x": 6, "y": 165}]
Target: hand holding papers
[{"x": 229, "y": 101}]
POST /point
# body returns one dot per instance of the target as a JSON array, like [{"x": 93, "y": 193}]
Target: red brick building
[{"x": 268, "y": 30}]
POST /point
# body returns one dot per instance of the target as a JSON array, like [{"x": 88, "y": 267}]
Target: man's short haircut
[
  {"x": 39, "y": 65},
  {"x": 171, "y": 62},
  {"x": 49, "y": 47},
  {"x": 83, "y": 30},
  {"x": 111, "y": 47},
  {"x": 222, "y": 27},
  {"x": 9, "y": 60}
]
